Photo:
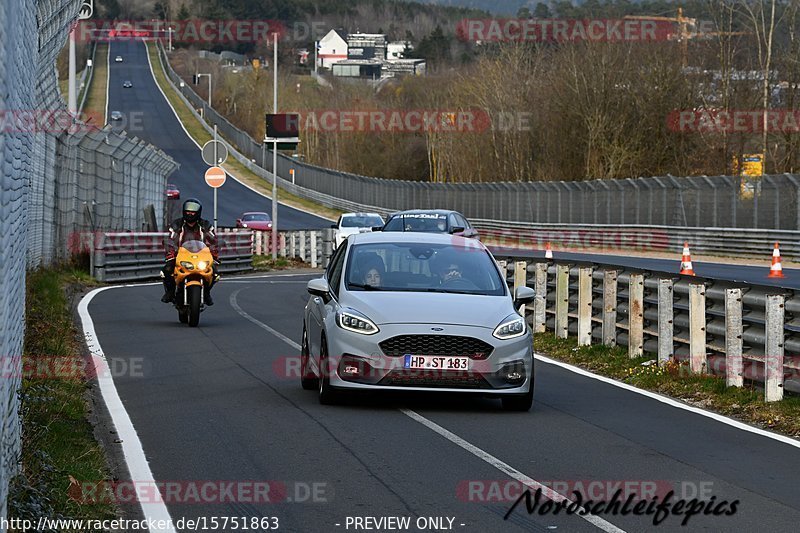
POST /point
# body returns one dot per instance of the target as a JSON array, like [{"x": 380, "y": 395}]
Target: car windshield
[
  {"x": 423, "y": 267},
  {"x": 361, "y": 221},
  {"x": 421, "y": 222},
  {"x": 193, "y": 246},
  {"x": 171, "y": 186},
  {"x": 250, "y": 217}
]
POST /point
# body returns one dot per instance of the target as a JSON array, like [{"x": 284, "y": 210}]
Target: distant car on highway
[
  {"x": 255, "y": 220},
  {"x": 416, "y": 312},
  {"x": 173, "y": 193},
  {"x": 116, "y": 115},
  {"x": 127, "y": 84},
  {"x": 118, "y": 59},
  {"x": 431, "y": 221},
  {"x": 352, "y": 223}
]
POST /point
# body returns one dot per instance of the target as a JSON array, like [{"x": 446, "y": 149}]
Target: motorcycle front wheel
[{"x": 194, "y": 304}]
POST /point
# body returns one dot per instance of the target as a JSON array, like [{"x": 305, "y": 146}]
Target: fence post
[
  {"x": 302, "y": 237},
  {"x": 610, "y": 307},
  {"x": 327, "y": 246},
  {"x": 666, "y": 344},
  {"x": 282, "y": 244},
  {"x": 562, "y": 300},
  {"x": 313, "y": 243},
  {"x": 697, "y": 327},
  {"x": 773, "y": 349},
  {"x": 733, "y": 338},
  {"x": 540, "y": 303},
  {"x": 293, "y": 244},
  {"x": 257, "y": 235},
  {"x": 520, "y": 280},
  {"x": 585, "y": 306},
  {"x": 635, "y": 315}
]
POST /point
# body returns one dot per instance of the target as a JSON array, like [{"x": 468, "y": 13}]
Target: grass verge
[
  {"x": 265, "y": 263},
  {"x": 96, "y": 100},
  {"x": 674, "y": 380},
  {"x": 232, "y": 166},
  {"x": 58, "y": 446}
]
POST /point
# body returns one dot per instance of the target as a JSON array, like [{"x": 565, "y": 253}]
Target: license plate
[{"x": 436, "y": 362}]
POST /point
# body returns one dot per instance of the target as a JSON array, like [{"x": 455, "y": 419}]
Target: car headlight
[
  {"x": 355, "y": 322},
  {"x": 188, "y": 265},
  {"x": 244, "y": 225},
  {"x": 202, "y": 265},
  {"x": 513, "y": 326}
]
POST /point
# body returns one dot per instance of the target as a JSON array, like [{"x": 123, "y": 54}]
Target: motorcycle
[{"x": 193, "y": 271}]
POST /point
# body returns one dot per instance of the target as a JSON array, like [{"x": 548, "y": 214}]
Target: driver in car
[
  {"x": 190, "y": 227},
  {"x": 447, "y": 269}
]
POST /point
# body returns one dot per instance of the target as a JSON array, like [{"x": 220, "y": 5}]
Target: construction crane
[{"x": 687, "y": 30}]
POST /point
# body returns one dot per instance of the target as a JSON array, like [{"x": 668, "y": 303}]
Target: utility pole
[{"x": 275, "y": 151}]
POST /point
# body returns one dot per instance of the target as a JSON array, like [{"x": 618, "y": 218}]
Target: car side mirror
[
  {"x": 457, "y": 229},
  {"x": 319, "y": 287},
  {"x": 377, "y": 228},
  {"x": 523, "y": 296},
  {"x": 335, "y": 226}
]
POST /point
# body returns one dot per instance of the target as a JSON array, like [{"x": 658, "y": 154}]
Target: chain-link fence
[
  {"x": 771, "y": 202},
  {"x": 56, "y": 180}
]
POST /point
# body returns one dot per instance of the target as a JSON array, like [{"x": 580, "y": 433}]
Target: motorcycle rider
[{"x": 190, "y": 227}]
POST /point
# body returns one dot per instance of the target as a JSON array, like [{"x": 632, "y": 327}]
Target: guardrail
[
  {"x": 133, "y": 256},
  {"x": 741, "y": 242},
  {"x": 738, "y": 331},
  {"x": 314, "y": 246}
]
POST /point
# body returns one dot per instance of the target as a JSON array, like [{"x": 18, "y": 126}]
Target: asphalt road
[
  {"x": 217, "y": 403},
  {"x": 148, "y": 116}
]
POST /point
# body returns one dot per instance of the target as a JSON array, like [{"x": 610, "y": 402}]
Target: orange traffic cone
[
  {"x": 776, "y": 271},
  {"x": 548, "y": 251},
  {"x": 686, "y": 261}
]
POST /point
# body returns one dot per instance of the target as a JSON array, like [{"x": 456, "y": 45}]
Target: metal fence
[
  {"x": 54, "y": 181},
  {"x": 738, "y": 331},
  {"x": 773, "y": 202}
]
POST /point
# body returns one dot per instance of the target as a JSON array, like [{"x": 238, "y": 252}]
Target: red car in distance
[
  {"x": 172, "y": 192},
  {"x": 255, "y": 220}
]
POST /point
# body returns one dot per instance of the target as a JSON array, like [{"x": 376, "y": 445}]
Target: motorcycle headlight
[
  {"x": 188, "y": 265},
  {"x": 355, "y": 322},
  {"x": 511, "y": 327},
  {"x": 202, "y": 265}
]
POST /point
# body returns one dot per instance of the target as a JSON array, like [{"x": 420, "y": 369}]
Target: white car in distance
[{"x": 353, "y": 223}]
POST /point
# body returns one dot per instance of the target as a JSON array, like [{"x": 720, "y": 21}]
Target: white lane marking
[
  {"x": 258, "y": 323},
  {"x": 132, "y": 449},
  {"x": 230, "y": 148},
  {"x": 672, "y": 402},
  {"x": 507, "y": 469}
]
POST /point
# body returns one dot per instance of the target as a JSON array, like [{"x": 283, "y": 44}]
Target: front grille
[
  {"x": 434, "y": 379},
  {"x": 449, "y": 345}
]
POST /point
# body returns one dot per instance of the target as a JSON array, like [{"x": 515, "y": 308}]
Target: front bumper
[{"x": 357, "y": 362}]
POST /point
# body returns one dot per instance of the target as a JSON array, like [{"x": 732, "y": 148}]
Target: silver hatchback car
[{"x": 418, "y": 312}]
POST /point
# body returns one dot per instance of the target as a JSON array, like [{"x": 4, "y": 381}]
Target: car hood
[{"x": 429, "y": 308}]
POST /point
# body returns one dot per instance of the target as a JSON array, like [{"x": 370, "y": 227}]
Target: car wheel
[
  {"x": 307, "y": 379},
  {"x": 519, "y": 402},
  {"x": 327, "y": 394}
]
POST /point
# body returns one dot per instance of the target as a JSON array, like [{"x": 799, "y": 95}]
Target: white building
[
  {"x": 395, "y": 49},
  {"x": 332, "y": 48}
]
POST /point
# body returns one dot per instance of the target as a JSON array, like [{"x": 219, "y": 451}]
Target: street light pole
[
  {"x": 275, "y": 151},
  {"x": 198, "y": 76}
]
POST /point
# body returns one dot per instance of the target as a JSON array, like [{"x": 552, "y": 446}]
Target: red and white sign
[{"x": 215, "y": 177}]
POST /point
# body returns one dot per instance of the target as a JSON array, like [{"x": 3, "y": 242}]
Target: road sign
[
  {"x": 208, "y": 153},
  {"x": 215, "y": 177},
  {"x": 86, "y": 10}
]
